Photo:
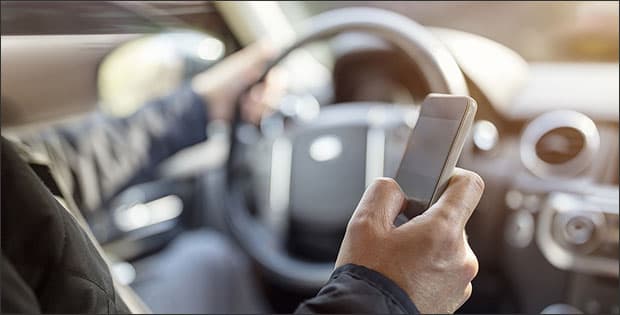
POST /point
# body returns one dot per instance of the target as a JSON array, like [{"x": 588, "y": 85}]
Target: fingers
[
  {"x": 252, "y": 59},
  {"x": 262, "y": 50},
  {"x": 256, "y": 53},
  {"x": 460, "y": 198},
  {"x": 244, "y": 66},
  {"x": 276, "y": 84},
  {"x": 222, "y": 83},
  {"x": 265, "y": 96},
  {"x": 382, "y": 201}
]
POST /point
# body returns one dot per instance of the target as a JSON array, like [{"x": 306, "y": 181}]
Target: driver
[{"x": 52, "y": 180}]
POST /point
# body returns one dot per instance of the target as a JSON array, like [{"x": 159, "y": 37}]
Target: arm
[
  {"x": 100, "y": 155},
  {"x": 17, "y": 296},
  {"x": 50, "y": 264},
  {"x": 97, "y": 157}
]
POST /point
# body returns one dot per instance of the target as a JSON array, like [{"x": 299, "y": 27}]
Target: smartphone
[{"x": 433, "y": 148}]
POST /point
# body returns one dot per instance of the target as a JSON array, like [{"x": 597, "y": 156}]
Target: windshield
[{"x": 538, "y": 31}]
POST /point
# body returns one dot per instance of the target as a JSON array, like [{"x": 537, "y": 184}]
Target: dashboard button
[
  {"x": 520, "y": 229},
  {"x": 579, "y": 230},
  {"x": 514, "y": 199}
]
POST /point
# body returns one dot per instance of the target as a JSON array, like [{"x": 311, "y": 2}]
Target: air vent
[{"x": 559, "y": 144}]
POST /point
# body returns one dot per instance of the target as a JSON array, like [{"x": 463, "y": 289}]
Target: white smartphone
[{"x": 433, "y": 148}]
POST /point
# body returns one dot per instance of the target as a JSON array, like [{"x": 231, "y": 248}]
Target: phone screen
[{"x": 428, "y": 149}]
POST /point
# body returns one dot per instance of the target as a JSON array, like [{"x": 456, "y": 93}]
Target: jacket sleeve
[
  {"x": 356, "y": 289},
  {"x": 100, "y": 155},
  {"x": 16, "y": 296},
  {"x": 49, "y": 263}
]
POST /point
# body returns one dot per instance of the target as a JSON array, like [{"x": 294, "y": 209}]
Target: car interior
[{"x": 545, "y": 138}]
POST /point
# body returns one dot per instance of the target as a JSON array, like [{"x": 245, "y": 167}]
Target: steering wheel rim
[
  {"x": 437, "y": 66},
  {"x": 435, "y": 61}
]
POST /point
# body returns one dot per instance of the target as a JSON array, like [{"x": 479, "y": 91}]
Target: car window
[
  {"x": 153, "y": 66},
  {"x": 87, "y": 17},
  {"x": 135, "y": 50}
]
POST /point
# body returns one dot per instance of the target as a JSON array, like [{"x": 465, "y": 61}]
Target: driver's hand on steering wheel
[
  {"x": 428, "y": 256},
  {"x": 222, "y": 84}
]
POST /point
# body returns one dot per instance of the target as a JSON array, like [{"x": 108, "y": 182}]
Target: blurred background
[
  {"x": 538, "y": 31},
  {"x": 545, "y": 76}
]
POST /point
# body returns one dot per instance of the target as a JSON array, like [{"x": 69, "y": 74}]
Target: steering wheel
[{"x": 307, "y": 179}]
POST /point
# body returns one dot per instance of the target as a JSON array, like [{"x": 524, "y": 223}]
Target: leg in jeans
[{"x": 199, "y": 272}]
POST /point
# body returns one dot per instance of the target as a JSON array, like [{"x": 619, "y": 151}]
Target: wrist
[
  {"x": 380, "y": 282},
  {"x": 215, "y": 105}
]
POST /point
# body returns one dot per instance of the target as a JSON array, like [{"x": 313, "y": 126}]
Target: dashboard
[
  {"x": 560, "y": 229},
  {"x": 549, "y": 157},
  {"x": 564, "y": 122}
]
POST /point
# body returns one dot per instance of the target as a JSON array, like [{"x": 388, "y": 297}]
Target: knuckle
[
  {"x": 446, "y": 244},
  {"x": 454, "y": 237},
  {"x": 452, "y": 206},
  {"x": 389, "y": 184},
  {"x": 475, "y": 181},
  {"x": 470, "y": 268},
  {"x": 444, "y": 227},
  {"x": 438, "y": 223},
  {"x": 361, "y": 225},
  {"x": 425, "y": 233}
]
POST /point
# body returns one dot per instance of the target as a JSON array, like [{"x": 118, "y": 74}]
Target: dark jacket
[{"x": 50, "y": 262}]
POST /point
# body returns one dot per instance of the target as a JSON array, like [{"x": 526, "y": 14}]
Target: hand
[
  {"x": 221, "y": 85},
  {"x": 428, "y": 256},
  {"x": 262, "y": 98}
]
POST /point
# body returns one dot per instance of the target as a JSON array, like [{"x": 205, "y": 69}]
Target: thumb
[{"x": 460, "y": 198}]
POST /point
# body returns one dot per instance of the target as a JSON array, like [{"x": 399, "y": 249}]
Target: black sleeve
[
  {"x": 100, "y": 155},
  {"x": 16, "y": 296},
  {"x": 54, "y": 266},
  {"x": 357, "y": 289}
]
